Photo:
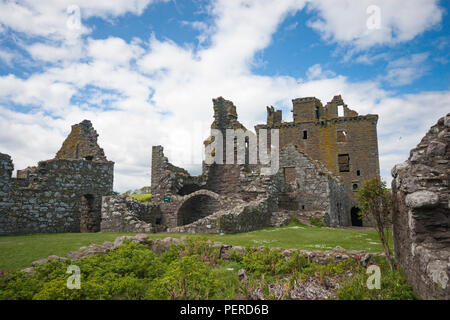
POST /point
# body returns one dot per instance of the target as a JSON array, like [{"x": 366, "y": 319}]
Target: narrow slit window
[
  {"x": 305, "y": 134},
  {"x": 358, "y": 173}
]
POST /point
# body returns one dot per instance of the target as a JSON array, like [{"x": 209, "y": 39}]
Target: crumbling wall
[
  {"x": 124, "y": 214},
  {"x": 235, "y": 216},
  {"x": 81, "y": 144},
  {"x": 306, "y": 185},
  {"x": 58, "y": 195},
  {"x": 169, "y": 184},
  {"x": 421, "y": 218},
  {"x": 52, "y": 201}
]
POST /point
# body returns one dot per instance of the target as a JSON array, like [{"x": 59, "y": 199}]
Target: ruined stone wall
[
  {"x": 421, "y": 218},
  {"x": 6, "y": 168},
  {"x": 51, "y": 201},
  {"x": 59, "y": 195},
  {"x": 125, "y": 214},
  {"x": 329, "y": 136},
  {"x": 307, "y": 185}
]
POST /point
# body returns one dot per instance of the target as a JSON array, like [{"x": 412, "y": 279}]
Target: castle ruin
[
  {"x": 323, "y": 157},
  {"x": 59, "y": 195}
]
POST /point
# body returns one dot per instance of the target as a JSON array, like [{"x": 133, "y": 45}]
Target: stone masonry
[
  {"x": 346, "y": 143},
  {"x": 237, "y": 197},
  {"x": 421, "y": 217},
  {"x": 59, "y": 195}
]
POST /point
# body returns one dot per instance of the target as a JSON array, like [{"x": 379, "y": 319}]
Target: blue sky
[{"x": 145, "y": 71}]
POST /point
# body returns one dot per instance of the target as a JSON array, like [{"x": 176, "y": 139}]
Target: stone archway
[{"x": 196, "y": 206}]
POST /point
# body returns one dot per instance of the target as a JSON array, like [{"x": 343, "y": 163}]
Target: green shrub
[
  {"x": 316, "y": 222},
  {"x": 192, "y": 271},
  {"x": 393, "y": 286},
  {"x": 295, "y": 222},
  {"x": 143, "y": 197}
]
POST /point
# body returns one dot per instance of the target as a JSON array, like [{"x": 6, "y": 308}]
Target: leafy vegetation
[
  {"x": 142, "y": 197},
  {"x": 316, "y": 222},
  {"x": 376, "y": 201},
  {"x": 20, "y": 250},
  {"x": 192, "y": 271}
]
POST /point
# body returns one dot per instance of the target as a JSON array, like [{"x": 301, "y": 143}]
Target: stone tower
[{"x": 345, "y": 142}]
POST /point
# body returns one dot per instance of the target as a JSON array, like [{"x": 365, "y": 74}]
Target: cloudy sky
[{"x": 145, "y": 71}]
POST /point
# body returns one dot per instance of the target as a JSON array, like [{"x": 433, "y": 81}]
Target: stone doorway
[
  {"x": 356, "y": 218},
  {"x": 90, "y": 216}
]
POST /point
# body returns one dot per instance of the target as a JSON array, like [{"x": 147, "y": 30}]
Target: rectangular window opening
[
  {"x": 344, "y": 163},
  {"x": 305, "y": 134}
]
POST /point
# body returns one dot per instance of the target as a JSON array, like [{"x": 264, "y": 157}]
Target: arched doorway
[
  {"x": 195, "y": 208},
  {"x": 356, "y": 218},
  {"x": 90, "y": 216}
]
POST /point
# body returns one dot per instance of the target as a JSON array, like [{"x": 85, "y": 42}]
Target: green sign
[{"x": 166, "y": 199}]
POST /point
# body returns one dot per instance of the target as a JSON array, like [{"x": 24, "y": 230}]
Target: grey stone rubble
[{"x": 421, "y": 217}]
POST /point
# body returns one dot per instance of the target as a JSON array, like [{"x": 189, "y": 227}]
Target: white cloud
[
  {"x": 50, "y": 18},
  {"x": 406, "y": 70},
  {"x": 345, "y": 21},
  {"x": 6, "y": 56},
  {"x": 315, "y": 72},
  {"x": 162, "y": 93}
]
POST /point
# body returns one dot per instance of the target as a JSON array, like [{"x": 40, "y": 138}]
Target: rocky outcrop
[{"x": 421, "y": 217}]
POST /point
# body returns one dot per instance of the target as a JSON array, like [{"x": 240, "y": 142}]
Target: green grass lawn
[{"x": 19, "y": 251}]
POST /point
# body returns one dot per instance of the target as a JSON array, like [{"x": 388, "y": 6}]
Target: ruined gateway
[{"x": 323, "y": 157}]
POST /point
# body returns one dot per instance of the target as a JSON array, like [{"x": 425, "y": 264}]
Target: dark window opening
[
  {"x": 303, "y": 207},
  {"x": 355, "y": 186},
  {"x": 158, "y": 221},
  {"x": 356, "y": 218},
  {"x": 344, "y": 163},
  {"x": 317, "y": 113},
  {"x": 305, "y": 134},
  {"x": 358, "y": 173},
  {"x": 89, "y": 158}
]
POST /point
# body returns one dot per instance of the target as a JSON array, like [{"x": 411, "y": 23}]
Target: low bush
[{"x": 193, "y": 271}]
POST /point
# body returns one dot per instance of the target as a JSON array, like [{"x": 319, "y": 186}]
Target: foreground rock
[{"x": 422, "y": 213}]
